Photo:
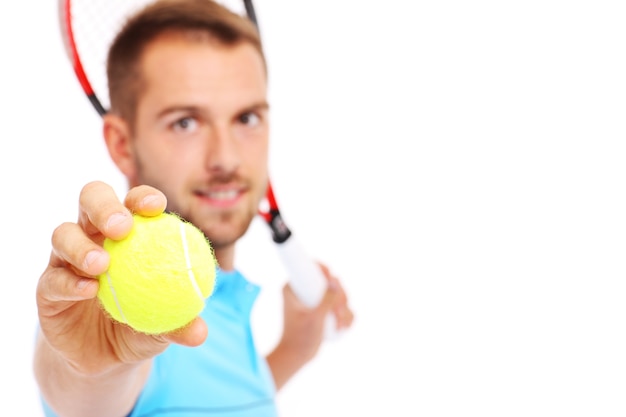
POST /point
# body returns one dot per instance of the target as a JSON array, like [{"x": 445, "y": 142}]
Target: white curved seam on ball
[
  {"x": 192, "y": 277},
  {"x": 117, "y": 301}
]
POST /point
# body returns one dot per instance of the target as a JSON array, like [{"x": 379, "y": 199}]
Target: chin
[{"x": 225, "y": 233}]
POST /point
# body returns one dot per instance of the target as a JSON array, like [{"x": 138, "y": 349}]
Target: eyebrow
[
  {"x": 174, "y": 109},
  {"x": 261, "y": 105}
]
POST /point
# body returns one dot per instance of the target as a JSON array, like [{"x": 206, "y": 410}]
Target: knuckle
[{"x": 60, "y": 232}]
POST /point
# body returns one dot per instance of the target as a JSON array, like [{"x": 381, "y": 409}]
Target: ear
[{"x": 118, "y": 140}]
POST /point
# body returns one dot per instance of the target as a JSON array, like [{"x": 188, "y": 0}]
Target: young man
[{"x": 189, "y": 129}]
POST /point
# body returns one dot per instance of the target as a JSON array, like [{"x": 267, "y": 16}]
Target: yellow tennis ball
[{"x": 159, "y": 275}]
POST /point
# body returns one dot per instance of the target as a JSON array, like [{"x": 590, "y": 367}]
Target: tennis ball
[{"x": 159, "y": 275}]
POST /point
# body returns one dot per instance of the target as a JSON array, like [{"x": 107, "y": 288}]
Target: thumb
[
  {"x": 330, "y": 296},
  {"x": 194, "y": 334}
]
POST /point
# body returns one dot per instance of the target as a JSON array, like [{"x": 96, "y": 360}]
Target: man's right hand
[{"x": 72, "y": 322}]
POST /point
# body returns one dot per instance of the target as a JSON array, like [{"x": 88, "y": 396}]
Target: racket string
[{"x": 94, "y": 24}]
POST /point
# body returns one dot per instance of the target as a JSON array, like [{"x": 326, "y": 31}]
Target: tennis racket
[{"x": 88, "y": 28}]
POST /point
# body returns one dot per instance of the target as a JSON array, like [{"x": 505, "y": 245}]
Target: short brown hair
[{"x": 188, "y": 17}]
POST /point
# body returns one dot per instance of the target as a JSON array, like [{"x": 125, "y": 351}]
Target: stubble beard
[{"x": 221, "y": 229}]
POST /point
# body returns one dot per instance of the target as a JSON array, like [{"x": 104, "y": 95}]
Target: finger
[
  {"x": 332, "y": 282},
  {"x": 330, "y": 300},
  {"x": 344, "y": 317},
  {"x": 325, "y": 270},
  {"x": 100, "y": 211},
  {"x": 342, "y": 312},
  {"x": 194, "y": 334},
  {"x": 146, "y": 201},
  {"x": 61, "y": 284},
  {"x": 70, "y": 245}
]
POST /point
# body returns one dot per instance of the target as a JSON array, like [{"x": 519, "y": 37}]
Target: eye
[
  {"x": 250, "y": 119},
  {"x": 185, "y": 124}
]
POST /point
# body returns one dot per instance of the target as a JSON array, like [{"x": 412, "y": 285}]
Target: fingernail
[
  {"x": 149, "y": 200},
  {"x": 116, "y": 219},
  {"x": 91, "y": 257}
]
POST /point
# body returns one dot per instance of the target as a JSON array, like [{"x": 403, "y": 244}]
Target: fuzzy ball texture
[{"x": 159, "y": 275}]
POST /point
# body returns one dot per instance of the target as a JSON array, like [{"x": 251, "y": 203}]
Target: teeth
[{"x": 222, "y": 195}]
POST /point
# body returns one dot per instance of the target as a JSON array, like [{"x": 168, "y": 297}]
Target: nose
[{"x": 222, "y": 156}]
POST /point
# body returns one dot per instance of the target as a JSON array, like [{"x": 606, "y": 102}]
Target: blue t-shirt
[{"x": 225, "y": 376}]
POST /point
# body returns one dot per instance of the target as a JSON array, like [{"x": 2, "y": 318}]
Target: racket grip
[
  {"x": 305, "y": 276},
  {"x": 306, "y": 279}
]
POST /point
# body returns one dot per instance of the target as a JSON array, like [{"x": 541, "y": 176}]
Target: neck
[{"x": 225, "y": 257}]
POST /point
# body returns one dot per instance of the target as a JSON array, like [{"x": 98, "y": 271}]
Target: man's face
[{"x": 201, "y": 132}]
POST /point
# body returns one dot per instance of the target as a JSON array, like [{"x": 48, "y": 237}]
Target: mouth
[{"x": 221, "y": 197}]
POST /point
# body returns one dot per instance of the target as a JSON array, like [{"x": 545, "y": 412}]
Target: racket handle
[{"x": 306, "y": 278}]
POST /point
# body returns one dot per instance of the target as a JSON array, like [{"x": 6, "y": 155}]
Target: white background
[{"x": 459, "y": 165}]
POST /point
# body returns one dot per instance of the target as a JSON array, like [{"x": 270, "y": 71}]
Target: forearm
[
  {"x": 72, "y": 393},
  {"x": 284, "y": 363}
]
